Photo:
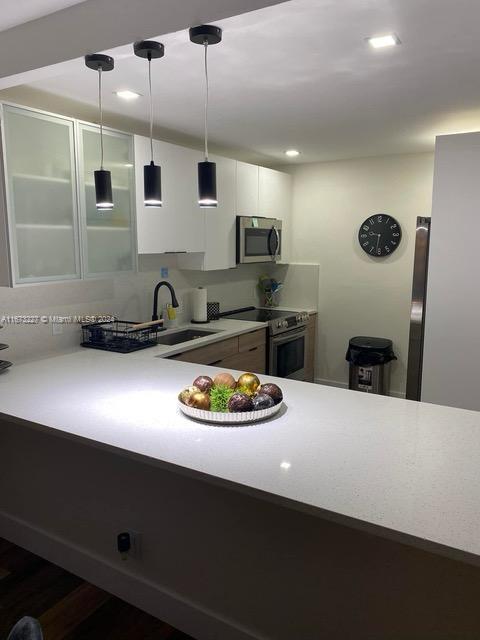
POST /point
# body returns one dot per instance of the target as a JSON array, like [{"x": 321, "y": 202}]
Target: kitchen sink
[{"x": 183, "y": 336}]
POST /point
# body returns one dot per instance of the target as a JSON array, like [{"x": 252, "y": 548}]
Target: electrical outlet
[
  {"x": 164, "y": 272},
  {"x": 135, "y": 546}
]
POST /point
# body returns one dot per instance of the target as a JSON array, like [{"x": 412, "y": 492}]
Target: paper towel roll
[{"x": 200, "y": 304}]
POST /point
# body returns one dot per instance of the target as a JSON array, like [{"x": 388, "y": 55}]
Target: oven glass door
[
  {"x": 288, "y": 355},
  {"x": 260, "y": 243}
]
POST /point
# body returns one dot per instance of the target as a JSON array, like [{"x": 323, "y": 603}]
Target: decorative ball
[
  {"x": 200, "y": 400},
  {"x": 185, "y": 396},
  {"x": 204, "y": 383},
  {"x": 225, "y": 379},
  {"x": 262, "y": 401},
  {"x": 273, "y": 391},
  {"x": 249, "y": 383},
  {"x": 240, "y": 403}
]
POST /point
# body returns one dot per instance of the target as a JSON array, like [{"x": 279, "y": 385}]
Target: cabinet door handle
[
  {"x": 253, "y": 349},
  {"x": 211, "y": 364}
]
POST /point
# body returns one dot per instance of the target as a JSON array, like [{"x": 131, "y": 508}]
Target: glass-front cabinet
[
  {"x": 41, "y": 195},
  {"x": 109, "y": 241},
  {"x": 52, "y": 226}
]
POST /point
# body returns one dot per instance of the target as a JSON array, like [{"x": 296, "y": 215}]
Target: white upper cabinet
[
  {"x": 179, "y": 225},
  {"x": 247, "y": 190},
  {"x": 219, "y": 252},
  {"x": 108, "y": 236},
  {"x": 50, "y": 228},
  {"x": 275, "y": 201},
  {"x": 40, "y": 198},
  {"x": 220, "y": 221}
]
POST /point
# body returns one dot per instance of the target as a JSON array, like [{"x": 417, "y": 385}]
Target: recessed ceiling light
[
  {"x": 292, "y": 153},
  {"x": 127, "y": 94},
  {"x": 380, "y": 42}
]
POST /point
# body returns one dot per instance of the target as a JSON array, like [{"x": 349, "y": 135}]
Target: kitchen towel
[{"x": 200, "y": 305}]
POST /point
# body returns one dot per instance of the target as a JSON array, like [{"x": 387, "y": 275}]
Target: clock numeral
[
  {"x": 365, "y": 228},
  {"x": 387, "y": 220},
  {"x": 363, "y": 235},
  {"x": 393, "y": 226},
  {"x": 387, "y": 249},
  {"x": 395, "y": 235},
  {"x": 365, "y": 244},
  {"x": 379, "y": 218},
  {"x": 371, "y": 249},
  {"x": 379, "y": 252},
  {"x": 372, "y": 221},
  {"x": 393, "y": 242}
]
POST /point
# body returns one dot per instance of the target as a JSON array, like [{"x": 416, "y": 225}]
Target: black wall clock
[{"x": 380, "y": 235}]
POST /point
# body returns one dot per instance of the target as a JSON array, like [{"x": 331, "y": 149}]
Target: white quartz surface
[{"x": 409, "y": 467}]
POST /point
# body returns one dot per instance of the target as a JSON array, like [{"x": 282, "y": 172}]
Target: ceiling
[
  {"x": 300, "y": 75},
  {"x": 15, "y": 12}
]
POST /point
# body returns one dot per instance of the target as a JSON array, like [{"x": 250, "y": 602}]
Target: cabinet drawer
[
  {"x": 253, "y": 361},
  {"x": 251, "y": 340},
  {"x": 211, "y": 354}
]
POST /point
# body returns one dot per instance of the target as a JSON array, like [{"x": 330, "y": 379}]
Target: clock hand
[{"x": 378, "y": 239}]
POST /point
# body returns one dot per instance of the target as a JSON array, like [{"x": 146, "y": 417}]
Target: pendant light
[
  {"x": 152, "y": 175},
  {"x": 207, "y": 171},
  {"x": 103, "y": 179}
]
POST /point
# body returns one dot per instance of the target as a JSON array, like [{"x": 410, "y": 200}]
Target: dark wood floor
[{"x": 68, "y": 607}]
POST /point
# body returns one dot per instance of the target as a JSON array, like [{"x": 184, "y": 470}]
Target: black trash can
[{"x": 370, "y": 360}]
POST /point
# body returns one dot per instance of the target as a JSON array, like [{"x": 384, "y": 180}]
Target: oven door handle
[{"x": 287, "y": 336}]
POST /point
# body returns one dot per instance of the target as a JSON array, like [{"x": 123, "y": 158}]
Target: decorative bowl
[{"x": 229, "y": 419}]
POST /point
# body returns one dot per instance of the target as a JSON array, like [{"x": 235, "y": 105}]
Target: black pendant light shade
[
  {"x": 152, "y": 185},
  {"x": 103, "y": 179},
  {"x": 206, "y": 35},
  {"x": 103, "y": 190},
  {"x": 207, "y": 184},
  {"x": 152, "y": 173}
]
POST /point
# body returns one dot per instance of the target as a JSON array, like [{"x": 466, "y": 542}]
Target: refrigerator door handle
[{"x": 417, "y": 312}]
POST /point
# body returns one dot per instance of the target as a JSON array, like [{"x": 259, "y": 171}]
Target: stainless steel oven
[
  {"x": 258, "y": 239},
  {"x": 287, "y": 352}
]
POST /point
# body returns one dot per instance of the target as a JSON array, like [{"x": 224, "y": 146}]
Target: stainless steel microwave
[{"x": 258, "y": 239}]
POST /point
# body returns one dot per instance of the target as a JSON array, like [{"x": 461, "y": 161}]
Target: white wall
[
  {"x": 359, "y": 295},
  {"x": 452, "y": 319}
]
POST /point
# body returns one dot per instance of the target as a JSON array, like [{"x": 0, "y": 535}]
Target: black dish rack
[{"x": 119, "y": 336}]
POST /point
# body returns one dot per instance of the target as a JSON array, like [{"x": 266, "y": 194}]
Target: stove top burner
[
  {"x": 260, "y": 315},
  {"x": 278, "y": 321}
]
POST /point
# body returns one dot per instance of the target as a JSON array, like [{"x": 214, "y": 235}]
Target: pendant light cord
[
  {"x": 205, "y": 44},
  {"x": 151, "y": 104},
  {"x": 101, "y": 114}
]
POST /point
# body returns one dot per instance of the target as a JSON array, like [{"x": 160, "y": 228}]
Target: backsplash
[{"x": 129, "y": 297}]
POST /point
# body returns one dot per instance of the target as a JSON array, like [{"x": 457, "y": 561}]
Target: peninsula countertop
[{"x": 390, "y": 466}]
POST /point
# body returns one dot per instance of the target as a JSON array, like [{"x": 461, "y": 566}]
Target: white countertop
[{"x": 369, "y": 461}]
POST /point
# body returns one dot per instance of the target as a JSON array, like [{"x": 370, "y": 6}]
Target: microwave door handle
[{"x": 274, "y": 253}]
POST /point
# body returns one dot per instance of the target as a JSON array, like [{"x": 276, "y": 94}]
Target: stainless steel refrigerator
[{"x": 417, "y": 311}]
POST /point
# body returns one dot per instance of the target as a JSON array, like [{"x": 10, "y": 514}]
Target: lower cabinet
[
  {"x": 311, "y": 348},
  {"x": 244, "y": 353}
]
